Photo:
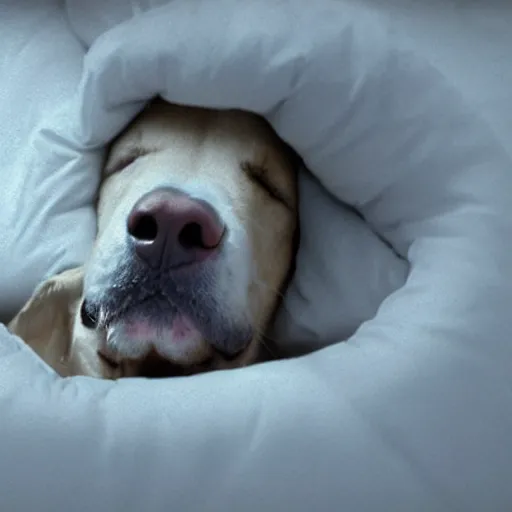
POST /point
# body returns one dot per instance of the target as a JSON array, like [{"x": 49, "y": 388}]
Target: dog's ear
[
  {"x": 48, "y": 324},
  {"x": 46, "y": 321}
]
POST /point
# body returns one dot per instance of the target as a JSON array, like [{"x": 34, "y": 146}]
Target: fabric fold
[{"x": 414, "y": 410}]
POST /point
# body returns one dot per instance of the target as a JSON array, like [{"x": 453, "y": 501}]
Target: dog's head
[{"x": 196, "y": 227}]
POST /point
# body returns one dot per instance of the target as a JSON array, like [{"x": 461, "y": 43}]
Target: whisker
[
  {"x": 102, "y": 318},
  {"x": 279, "y": 293},
  {"x": 257, "y": 225},
  {"x": 271, "y": 351},
  {"x": 273, "y": 289},
  {"x": 264, "y": 339}
]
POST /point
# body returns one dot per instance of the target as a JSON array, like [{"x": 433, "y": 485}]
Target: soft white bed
[{"x": 414, "y": 410}]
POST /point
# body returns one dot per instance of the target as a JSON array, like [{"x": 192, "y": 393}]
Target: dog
[{"x": 197, "y": 234}]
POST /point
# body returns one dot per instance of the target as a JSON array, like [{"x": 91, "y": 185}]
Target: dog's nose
[{"x": 171, "y": 229}]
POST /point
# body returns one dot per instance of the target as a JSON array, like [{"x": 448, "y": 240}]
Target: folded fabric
[
  {"x": 414, "y": 411},
  {"x": 47, "y": 220}
]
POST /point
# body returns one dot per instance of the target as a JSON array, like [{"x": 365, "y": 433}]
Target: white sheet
[
  {"x": 44, "y": 198},
  {"x": 414, "y": 411}
]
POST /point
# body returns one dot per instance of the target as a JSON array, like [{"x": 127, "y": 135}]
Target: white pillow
[{"x": 47, "y": 221}]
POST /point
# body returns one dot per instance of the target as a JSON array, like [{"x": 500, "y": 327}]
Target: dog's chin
[
  {"x": 194, "y": 336},
  {"x": 175, "y": 339}
]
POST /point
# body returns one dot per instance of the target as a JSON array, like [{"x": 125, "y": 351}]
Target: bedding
[
  {"x": 406, "y": 404},
  {"x": 44, "y": 198}
]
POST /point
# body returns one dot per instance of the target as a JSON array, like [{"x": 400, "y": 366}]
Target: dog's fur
[{"x": 233, "y": 161}]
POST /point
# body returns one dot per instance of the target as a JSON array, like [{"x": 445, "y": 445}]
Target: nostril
[
  {"x": 144, "y": 228},
  {"x": 191, "y": 235},
  {"x": 171, "y": 229}
]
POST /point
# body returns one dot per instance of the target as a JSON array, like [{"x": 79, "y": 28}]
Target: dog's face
[{"x": 196, "y": 227}]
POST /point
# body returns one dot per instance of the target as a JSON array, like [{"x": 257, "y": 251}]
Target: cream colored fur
[{"x": 210, "y": 155}]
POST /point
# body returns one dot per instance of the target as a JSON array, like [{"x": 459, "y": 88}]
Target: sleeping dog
[{"x": 197, "y": 217}]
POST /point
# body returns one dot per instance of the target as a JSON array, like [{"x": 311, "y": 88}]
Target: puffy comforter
[{"x": 406, "y": 403}]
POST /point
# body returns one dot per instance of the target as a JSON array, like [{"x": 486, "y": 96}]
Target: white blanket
[{"x": 414, "y": 411}]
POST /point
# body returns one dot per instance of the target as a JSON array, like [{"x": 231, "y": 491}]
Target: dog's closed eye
[{"x": 259, "y": 175}]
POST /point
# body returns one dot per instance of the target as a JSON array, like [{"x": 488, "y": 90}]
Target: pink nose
[{"x": 170, "y": 229}]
